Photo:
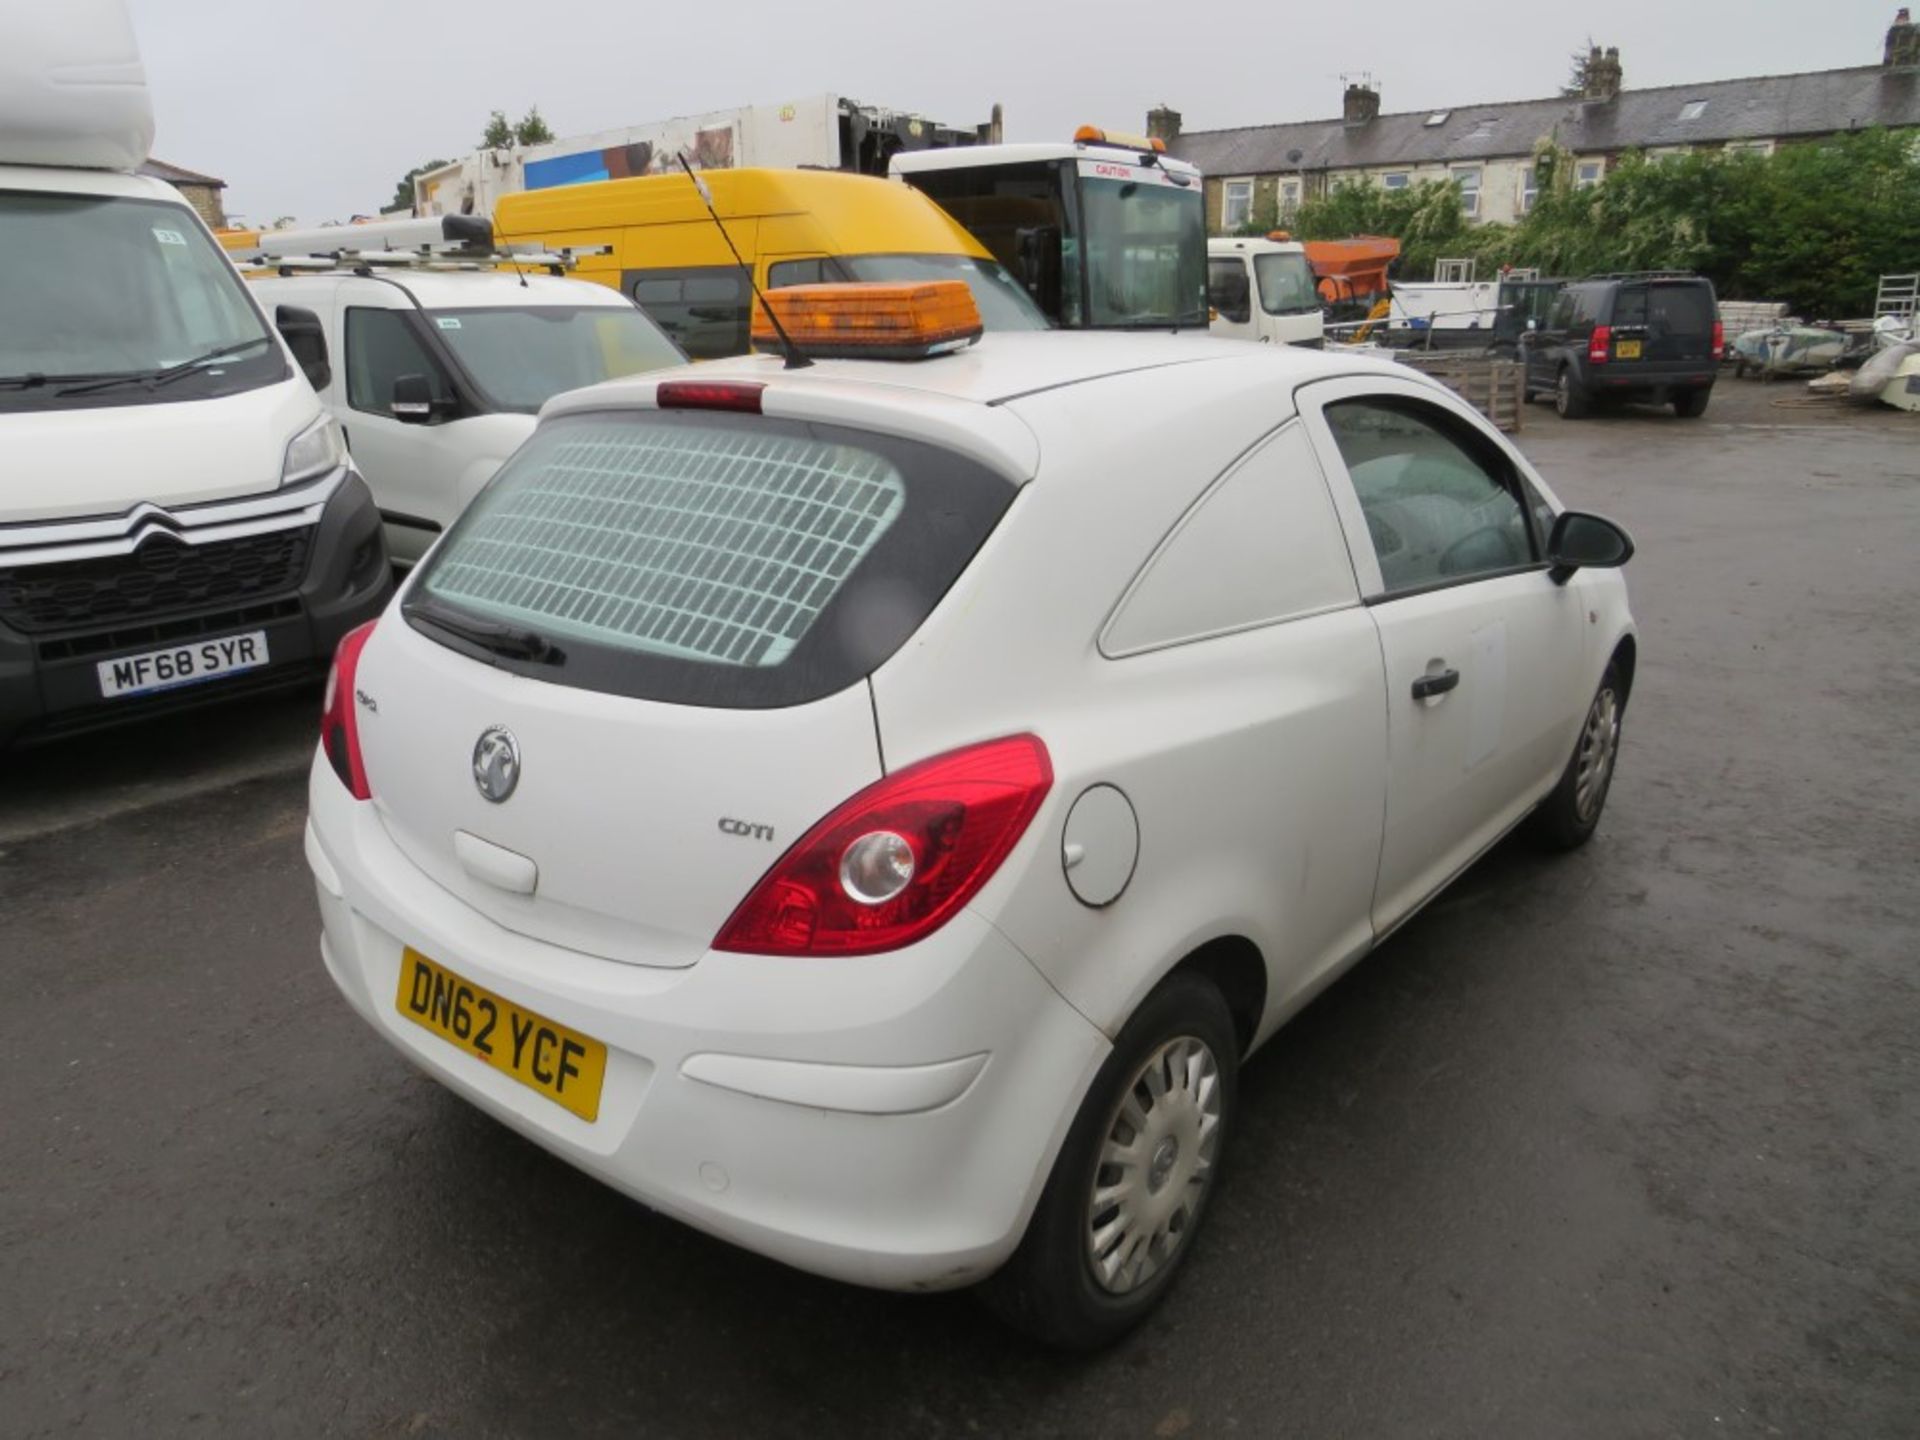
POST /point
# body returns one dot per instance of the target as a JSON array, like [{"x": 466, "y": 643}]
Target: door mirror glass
[
  {"x": 1580, "y": 539},
  {"x": 306, "y": 337},
  {"x": 412, "y": 399}
]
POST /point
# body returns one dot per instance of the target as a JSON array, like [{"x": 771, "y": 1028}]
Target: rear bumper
[
  {"x": 50, "y": 683},
  {"x": 885, "y": 1120},
  {"x": 1650, "y": 378}
]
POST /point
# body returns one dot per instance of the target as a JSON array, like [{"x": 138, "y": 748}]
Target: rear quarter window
[
  {"x": 708, "y": 559},
  {"x": 1261, "y": 546}
]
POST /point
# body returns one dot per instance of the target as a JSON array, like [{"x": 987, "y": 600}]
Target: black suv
[{"x": 1653, "y": 337}]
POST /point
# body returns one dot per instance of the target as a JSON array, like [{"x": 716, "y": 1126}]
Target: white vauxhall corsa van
[
  {"x": 178, "y": 518},
  {"x": 441, "y": 364},
  {"x": 869, "y": 810}
]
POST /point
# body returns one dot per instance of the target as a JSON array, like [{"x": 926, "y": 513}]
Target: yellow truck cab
[{"x": 792, "y": 227}]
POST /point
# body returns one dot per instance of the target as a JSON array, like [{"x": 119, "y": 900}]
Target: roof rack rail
[
  {"x": 1645, "y": 275},
  {"x": 449, "y": 256}
]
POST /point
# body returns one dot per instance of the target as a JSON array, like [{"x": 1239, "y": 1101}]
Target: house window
[
  {"x": 1438, "y": 117},
  {"x": 1395, "y": 181},
  {"x": 1237, "y": 205},
  {"x": 1750, "y": 147},
  {"x": 1588, "y": 174},
  {"x": 1289, "y": 197},
  {"x": 1693, "y": 109},
  {"x": 1468, "y": 179},
  {"x": 1529, "y": 190}
]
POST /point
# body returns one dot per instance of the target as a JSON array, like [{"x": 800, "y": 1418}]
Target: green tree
[
  {"x": 499, "y": 132},
  {"x": 1813, "y": 225},
  {"x": 532, "y": 129},
  {"x": 403, "y": 189}
]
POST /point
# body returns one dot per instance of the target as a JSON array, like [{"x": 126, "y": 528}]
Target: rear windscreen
[
  {"x": 708, "y": 559},
  {"x": 1670, "y": 309}
]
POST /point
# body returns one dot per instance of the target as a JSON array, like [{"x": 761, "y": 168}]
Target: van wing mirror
[
  {"x": 412, "y": 399},
  {"x": 1579, "y": 540},
  {"x": 306, "y": 337}
]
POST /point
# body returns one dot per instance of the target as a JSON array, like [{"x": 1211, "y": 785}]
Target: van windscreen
[{"x": 706, "y": 559}]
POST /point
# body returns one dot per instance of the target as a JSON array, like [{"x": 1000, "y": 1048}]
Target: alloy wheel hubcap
[
  {"x": 1154, "y": 1166},
  {"x": 1599, "y": 742}
]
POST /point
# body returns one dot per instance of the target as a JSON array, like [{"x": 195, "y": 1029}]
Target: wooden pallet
[{"x": 1496, "y": 388}]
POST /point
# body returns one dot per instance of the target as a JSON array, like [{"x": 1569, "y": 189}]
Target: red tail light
[
  {"x": 893, "y": 864},
  {"x": 1598, "y": 344},
  {"x": 1719, "y": 341},
  {"x": 339, "y": 727}
]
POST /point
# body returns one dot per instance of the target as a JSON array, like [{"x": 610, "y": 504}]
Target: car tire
[
  {"x": 1170, "y": 1082},
  {"x": 1567, "y": 818},
  {"x": 1569, "y": 400},
  {"x": 1692, "y": 404}
]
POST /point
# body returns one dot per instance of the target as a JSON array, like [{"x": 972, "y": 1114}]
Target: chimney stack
[
  {"x": 1362, "y": 104},
  {"x": 1903, "y": 42},
  {"x": 1603, "y": 74},
  {"x": 1163, "y": 124}
]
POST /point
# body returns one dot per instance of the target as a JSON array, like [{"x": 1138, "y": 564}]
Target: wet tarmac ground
[{"x": 1625, "y": 1143}]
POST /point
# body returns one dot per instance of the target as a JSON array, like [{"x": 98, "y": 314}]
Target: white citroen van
[{"x": 179, "y": 521}]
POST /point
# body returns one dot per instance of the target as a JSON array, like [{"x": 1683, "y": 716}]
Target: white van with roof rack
[
  {"x": 445, "y": 347},
  {"x": 179, "y": 521}
]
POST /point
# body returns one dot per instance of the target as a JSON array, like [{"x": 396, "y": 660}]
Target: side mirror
[
  {"x": 412, "y": 399},
  {"x": 306, "y": 337},
  {"x": 1579, "y": 540}
]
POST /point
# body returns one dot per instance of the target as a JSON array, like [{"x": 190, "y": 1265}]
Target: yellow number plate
[
  {"x": 1627, "y": 350},
  {"x": 561, "y": 1064}
]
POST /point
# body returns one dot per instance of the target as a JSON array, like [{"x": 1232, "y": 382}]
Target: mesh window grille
[{"x": 706, "y": 544}]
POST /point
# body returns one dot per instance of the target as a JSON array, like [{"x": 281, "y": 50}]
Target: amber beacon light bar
[{"x": 870, "y": 321}]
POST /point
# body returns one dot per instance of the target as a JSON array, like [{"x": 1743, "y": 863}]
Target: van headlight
[{"x": 316, "y": 450}]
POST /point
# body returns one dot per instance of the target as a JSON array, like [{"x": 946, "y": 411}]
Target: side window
[
  {"x": 1261, "y": 545},
  {"x": 1566, "y": 309},
  {"x": 1439, "y": 505},
  {"x": 1227, "y": 289},
  {"x": 705, "y": 310},
  {"x": 816, "y": 270},
  {"x": 382, "y": 345}
]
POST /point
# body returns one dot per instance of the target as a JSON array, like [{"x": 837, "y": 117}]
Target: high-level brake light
[{"x": 740, "y": 396}]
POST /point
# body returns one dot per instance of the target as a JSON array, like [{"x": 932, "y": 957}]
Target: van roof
[{"x": 842, "y": 204}]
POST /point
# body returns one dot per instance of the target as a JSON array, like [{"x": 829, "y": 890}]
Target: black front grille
[{"x": 164, "y": 576}]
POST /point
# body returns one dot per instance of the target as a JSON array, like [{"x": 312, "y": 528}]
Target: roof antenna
[{"x": 795, "y": 359}]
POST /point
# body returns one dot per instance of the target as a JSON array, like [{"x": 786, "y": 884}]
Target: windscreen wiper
[
  {"x": 155, "y": 378},
  {"x": 514, "y": 642}
]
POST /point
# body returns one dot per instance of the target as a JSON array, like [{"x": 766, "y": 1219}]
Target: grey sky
[{"x": 315, "y": 109}]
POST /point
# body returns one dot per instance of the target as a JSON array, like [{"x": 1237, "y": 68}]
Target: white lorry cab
[
  {"x": 1264, "y": 289},
  {"x": 179, "y": 521},
  {"x": 442, "y": 359}
]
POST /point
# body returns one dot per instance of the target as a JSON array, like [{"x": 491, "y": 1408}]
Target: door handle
[{"x": 1439, "y": 683}]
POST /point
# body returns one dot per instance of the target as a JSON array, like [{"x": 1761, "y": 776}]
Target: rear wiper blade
[
  {"x": 515, "y": 642},
  {"x": 152, "y": 378}
]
